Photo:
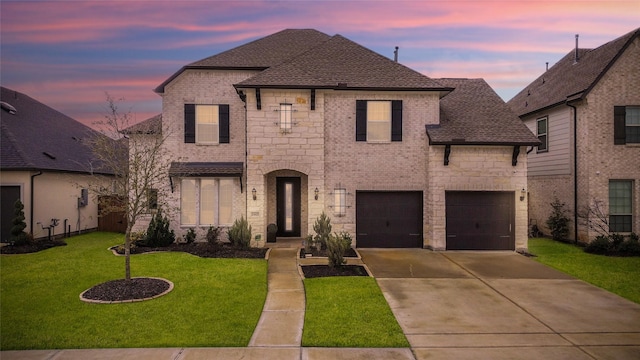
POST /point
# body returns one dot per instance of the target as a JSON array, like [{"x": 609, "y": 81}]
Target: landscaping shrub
[
  {"x": 337, "y": 245},
  {"x": 240, "y": 233},
  {"x": 600, "y": 245},
  {"x": 322, "y": 227},
  {"x": 18, "y": 235},
  {"x": 614, "y": 245},
  {"x": 558, "y": 222},
  {"x": 190, "y": 236},
  {"x": 158, "y": 233},
  {"x": 213, "y": 235}
]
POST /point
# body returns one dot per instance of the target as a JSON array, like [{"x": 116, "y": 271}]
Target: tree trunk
[{"x": 127, "y": 253}]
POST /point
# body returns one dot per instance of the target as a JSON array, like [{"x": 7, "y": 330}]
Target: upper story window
[
  {"x": 543, "y": 134},
  {"x": 620, "y": 205},
  {"x": 378, "y": 121},
  {"x": 626, "y": 124},
  {"x": 285, "y": 118},
  {"x": 206, "y": 124},
  {"x": 152, "y": 199}
]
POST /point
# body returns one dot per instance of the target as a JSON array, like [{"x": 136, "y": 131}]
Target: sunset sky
[{"x": 68, "y": 53}]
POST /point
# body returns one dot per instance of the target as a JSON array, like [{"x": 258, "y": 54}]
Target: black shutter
[
  {"x": 189, "y": 123},
  {"x": 223, "y": 118},
  {"x": 619, "y": 136},
  {"x": 396, "y": 120},
  {"x": 361, "y": 120}
]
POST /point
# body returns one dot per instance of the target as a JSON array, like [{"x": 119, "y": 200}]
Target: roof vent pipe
[
  {"x": 547, "y": 65},
  {"x": 395, "y": 54},
  {"x": 576, "y": 58}
]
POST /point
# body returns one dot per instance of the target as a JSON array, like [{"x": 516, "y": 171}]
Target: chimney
[
  {"x": 576, "y": 57},
  {"x": 395, "y": 55}
]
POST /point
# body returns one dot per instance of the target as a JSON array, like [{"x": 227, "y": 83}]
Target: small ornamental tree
[
  {"x": 337, "y": 245},
  {"x": 558, "y": 222},
  {"x": 158, "y": 233},
  {"x": 18, "y": 235},
  {"x": 129, "y": 162},
  {"x": 322, "y": 227}
]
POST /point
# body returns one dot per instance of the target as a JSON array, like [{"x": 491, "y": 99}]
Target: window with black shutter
[
  {"x": 206, "y": 124},
  {"x": 378, "y": 121}
]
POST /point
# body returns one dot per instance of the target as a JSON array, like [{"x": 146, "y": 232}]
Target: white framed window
[
  {"x": 207, "y": 124},
  {"x": 286, "y": 122},
  {"x": 378, "y": 121},
  {"x": 340, "y": 202},
  {"x": 206, "y": 202},
  {"x": 542, "y": 129},
  {"x": 632, "y": 124},
  {"x": 620, "y": 205}
]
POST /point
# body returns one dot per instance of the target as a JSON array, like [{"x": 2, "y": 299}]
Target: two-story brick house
[
  {"x": 296, "y": 123},
  {"x": 586, "y": 111}
]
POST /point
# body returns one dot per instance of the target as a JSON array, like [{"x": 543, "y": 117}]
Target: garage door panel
[
  {"x": 389, "y": 219},
  {"x": 480, "y": 220}
]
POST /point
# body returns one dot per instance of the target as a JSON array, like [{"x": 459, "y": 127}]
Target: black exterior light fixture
[
  {"x": 316, "y": 192},
  {"x": 523, "y": 194},
  {"x": 253, "y": 193}
]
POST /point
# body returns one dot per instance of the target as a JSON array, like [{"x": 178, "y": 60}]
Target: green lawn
[
  {"x": 619, "y": 275},
  {"x": 349, "y": 312},
  {"x": 215, "y": 302}
]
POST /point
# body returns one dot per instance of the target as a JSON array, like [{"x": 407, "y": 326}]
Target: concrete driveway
[{"x": 501, "y": 305}]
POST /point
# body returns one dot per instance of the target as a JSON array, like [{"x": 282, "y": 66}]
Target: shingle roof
[
  {"x": 473, "y": 114},
  {"x": 259, "y": 54},
  {"x": 38, "y": 137},
  {"x": 568, "y": 78},
  {"x": 340, "y": 63},
  {"x": 152, "y": 125}
]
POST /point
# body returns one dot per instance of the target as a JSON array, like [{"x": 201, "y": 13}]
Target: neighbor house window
[
  {"x": 214, "y": 205},
  {"x": 285, "y": 118},
  {"x": 626, "y": 124},
  {"x": 206, "y": 124},
  {"x": 543, "y": 134},
  {"x": 152, "y": 199},
  {"x": 620, "y": 208},
  {"x": 340, "y": 202},
  {"x": 378, "y": 121}
]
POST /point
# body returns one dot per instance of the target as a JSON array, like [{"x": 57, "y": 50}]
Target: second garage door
[
  {"x": 480, "y": 220},
  {"x": 389, "y": 219}
]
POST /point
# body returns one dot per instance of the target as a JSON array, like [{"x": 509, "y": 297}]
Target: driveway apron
[{"x": 501, "y": 305}]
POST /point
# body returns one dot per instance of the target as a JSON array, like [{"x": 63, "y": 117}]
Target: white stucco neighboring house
[
  {"x": 285, "y": 127},
  {"x": 45, "y": 164}
]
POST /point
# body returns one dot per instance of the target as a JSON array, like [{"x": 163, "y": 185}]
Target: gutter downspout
[
  {"x": 575, "y": 171},
  {"x": 31, "y": 201}
]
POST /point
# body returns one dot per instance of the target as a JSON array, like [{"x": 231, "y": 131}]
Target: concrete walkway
[{"x": 452, "y": 305}]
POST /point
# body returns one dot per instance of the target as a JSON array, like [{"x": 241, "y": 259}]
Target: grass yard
[
  {"x": 619, "y": 275},
  {"x": 215, "y": 302},
  {"x": 346, "y": 311}
]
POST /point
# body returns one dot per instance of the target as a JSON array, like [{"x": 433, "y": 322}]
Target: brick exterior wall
[
  {"x": 321, "y": 149},
  {"x": 473, "y": 168},
  {"x": 599, "y": 160}
]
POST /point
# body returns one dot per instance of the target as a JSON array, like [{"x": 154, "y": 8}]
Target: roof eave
[
  {"x": 160, "y": 88},
  {"x": 343, "y": 88}
]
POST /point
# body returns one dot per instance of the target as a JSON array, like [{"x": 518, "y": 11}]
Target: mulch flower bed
[
  {"x": 122, "y": 290},
  {"x": 203, "y": 249},
  {"x": 314, "y": 271},
  {"x": 32, "y": 247}
]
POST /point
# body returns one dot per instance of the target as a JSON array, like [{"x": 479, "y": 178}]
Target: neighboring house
[
  {"x": 44, "y": 163},
  {"x": 592, "y": 95},
  {"x": 296, "y": 123}
]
